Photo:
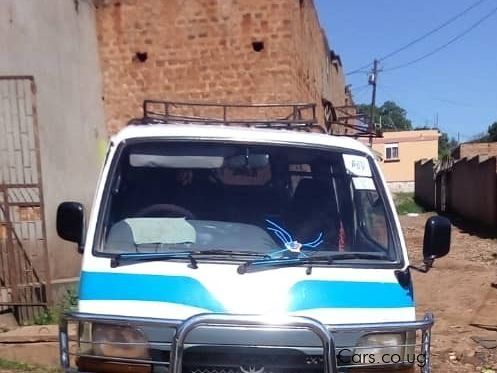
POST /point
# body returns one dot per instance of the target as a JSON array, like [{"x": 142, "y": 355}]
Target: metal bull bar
[
  {"x": 236, "y": 321},
  {"x": 180, "y": 330}
]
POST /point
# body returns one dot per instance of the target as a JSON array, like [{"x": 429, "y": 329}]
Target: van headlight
[
  {"x": 113, "y": 341},
  {"x": 385, "y": 348}
]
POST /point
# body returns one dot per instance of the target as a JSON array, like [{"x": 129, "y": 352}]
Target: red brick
[{"x": 202, "y": 49}]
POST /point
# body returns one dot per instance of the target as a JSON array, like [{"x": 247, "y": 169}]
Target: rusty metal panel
[{"x": 24, "y": 273}]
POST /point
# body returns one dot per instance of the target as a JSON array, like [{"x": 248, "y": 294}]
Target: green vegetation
[
  {"x": 445, "y": 145},
  {"x": 489, "y": 136},
  {"x": 392, "y": 116},
  {"x": 23, "y": 367},
  {"x": 52, "y": 315},
  {"x": 405, "y": 203}
]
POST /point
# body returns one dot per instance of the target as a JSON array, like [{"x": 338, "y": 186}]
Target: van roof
[{"x": 237, "y": 133}]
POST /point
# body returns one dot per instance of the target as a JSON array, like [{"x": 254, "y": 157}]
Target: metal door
[{"x": 24, "y": 273}]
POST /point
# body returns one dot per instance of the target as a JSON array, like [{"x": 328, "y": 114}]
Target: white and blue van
[{"x": 222, "y": 246}]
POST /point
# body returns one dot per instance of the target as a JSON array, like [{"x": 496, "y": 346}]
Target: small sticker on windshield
[
  {"x": 357, "y": 165},
  {"x": 363, "y": 183}
]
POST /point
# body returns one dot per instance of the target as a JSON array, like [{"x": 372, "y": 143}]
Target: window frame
[
  {"x": 99, "y": 234},
  {"x": 391, "y": 146}
]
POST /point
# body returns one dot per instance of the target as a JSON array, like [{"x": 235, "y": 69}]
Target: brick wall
[
  {"x": 473, "y": 149},
  {"x": 233, "y": 51},
  {"x": 317, "y": 71}
]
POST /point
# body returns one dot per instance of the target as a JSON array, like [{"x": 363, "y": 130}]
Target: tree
[
  {"x": 489, "y": 136},
  {"x": 492, "y": 132},
  {"x": 445, "y": 145},
  {"x": 392, "y": 116}
]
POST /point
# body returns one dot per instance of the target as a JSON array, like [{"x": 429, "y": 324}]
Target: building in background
[
  {"x": 400, "y": 150},
  {"x": 245, "y": 51},
  {"x": 51, "y": 130}
]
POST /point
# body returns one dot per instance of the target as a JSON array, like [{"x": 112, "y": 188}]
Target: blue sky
[{"x": 459, "y": 83}]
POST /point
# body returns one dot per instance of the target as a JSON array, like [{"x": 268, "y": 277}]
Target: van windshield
[{"x": 259, "y": 199}]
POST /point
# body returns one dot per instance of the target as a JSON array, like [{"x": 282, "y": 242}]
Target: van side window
[{"x": 372, "y": 217}]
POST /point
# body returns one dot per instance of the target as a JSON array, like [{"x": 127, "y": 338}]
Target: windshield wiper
[
  {"x": 265, "y": 264},
  {"x": 118, "y": 259}
]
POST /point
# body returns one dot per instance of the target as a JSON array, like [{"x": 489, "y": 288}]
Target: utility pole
[{"x": 373, "y": 80}]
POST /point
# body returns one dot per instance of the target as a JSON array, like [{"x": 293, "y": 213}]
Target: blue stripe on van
[
  {"x": 139, "y": 287},
  {"x": 309, "y": 294}
]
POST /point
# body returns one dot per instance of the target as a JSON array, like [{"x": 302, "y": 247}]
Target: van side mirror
[
  {"x": 436, "y": 242},
  {"x": 70, "y": 223}
]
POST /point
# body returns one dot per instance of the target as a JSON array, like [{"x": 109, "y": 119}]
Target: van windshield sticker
[
  {"x": 363, "y": 183},
  {"x": 357, "y": 165}
]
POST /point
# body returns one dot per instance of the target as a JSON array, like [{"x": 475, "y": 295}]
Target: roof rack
[
  {"x": 300, "y": 116},
  {"x": 361, "y": 124}
]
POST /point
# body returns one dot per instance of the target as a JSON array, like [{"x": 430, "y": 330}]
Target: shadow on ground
[{"x": 472, "y": 228}]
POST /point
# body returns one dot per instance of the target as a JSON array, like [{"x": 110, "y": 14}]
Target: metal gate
[{"x": 24, "y": 273}]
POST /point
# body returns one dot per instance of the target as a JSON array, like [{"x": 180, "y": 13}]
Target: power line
[
  {"x": 451, "y": 41},
  {"x": 431, "y": 32},
  {"x": 360, "y": 69},
  {"x": 359, "y": 90},
  {"x": 360, "y": 98},
  {"x": 421, "y": 38},
  {"x": 434, "y": 95}
]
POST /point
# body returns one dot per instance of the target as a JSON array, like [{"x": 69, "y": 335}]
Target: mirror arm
[
  {"x": 426, "y": 266},
  {"x": 81, "y": 243}
]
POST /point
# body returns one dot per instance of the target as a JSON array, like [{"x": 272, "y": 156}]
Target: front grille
[
  {"x": 254, "y": 370},
  {"x": 261, "y": 369},
  {"x": 213, "y": 370},
  {"x": 249, "y": 360}
]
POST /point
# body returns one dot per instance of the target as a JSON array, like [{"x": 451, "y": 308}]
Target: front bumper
[{"x": 181, "y": 347}]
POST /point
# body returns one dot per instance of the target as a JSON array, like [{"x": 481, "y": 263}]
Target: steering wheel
[{"x": 165, "y": 210}]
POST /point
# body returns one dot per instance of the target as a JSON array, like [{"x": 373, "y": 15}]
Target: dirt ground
[{"x": 457, "y": 292}]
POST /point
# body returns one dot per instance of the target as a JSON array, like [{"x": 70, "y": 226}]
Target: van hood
[{"x": 174, "y": 291}]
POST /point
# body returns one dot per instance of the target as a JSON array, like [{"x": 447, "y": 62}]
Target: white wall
[{"x": 55, "y": 41}]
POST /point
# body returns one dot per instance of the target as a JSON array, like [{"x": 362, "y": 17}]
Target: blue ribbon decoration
[{"x": 286, "y": 238}]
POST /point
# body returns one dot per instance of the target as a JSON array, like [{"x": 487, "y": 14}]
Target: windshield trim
[
  {"x": 390, "y": 211},
  {"x": 257, "y": 265},
  {"x": 121, "y": 258},
  {"x": 235, "y": 262},
  {"x": 98, "y": 238}
]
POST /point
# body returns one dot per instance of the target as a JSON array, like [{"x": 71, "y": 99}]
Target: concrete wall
[
  {"x": 467, "y": 188},
  {"x": 424, "y": 188},
  {"x": 55, "y": 41},
  {"x": 401, "y": 186},
  {"x": 203, "y": 50},
  {"x": 413, "y": 146},
  {"x": 472, "y": 190}
]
